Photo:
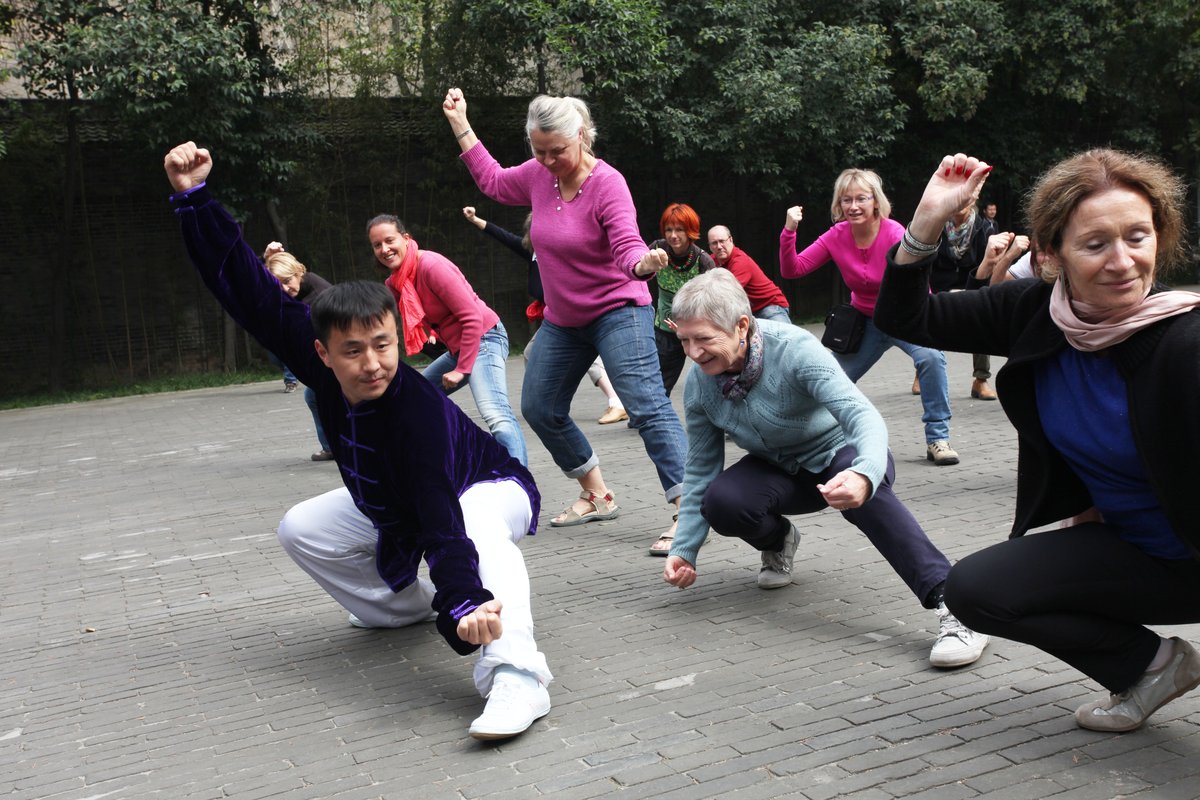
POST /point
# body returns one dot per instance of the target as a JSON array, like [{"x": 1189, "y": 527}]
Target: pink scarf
[
  {"x": 412, "y": 313},
  {"x": 1112, "y": 326}
]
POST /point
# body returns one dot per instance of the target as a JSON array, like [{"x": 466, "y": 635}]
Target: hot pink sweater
[
  {"x": 586, "y": 249},
  {"x": 862, "y": 270}
]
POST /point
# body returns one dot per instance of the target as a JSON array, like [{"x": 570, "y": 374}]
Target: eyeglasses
[
  {"x": 861, "y": 200},
  {"x": 717, "y": 242}
]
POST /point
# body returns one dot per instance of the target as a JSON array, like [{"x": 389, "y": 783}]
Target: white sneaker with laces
[
  {"x": 776, "y": 569},
  {"x": 516, "y": 701},
  {"x": 956, "y": 644}
]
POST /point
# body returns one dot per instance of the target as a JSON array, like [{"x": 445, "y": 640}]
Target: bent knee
[
  {"x": 978, "y": 596},
  {"x": 295, "y": 530}
]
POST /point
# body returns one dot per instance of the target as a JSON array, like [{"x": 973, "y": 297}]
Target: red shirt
[{"x": 761, "y": 290}]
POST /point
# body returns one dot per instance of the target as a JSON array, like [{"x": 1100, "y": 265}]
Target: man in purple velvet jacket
[{"x": 421, "y": 480}]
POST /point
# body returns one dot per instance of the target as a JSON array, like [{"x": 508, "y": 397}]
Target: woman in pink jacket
[
  {"x": 433, "y": 294},
  {"x": 858, "y": 242}
]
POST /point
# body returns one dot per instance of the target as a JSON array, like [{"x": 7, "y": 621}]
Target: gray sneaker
[
  {"x": 776, "y": 570},
  {"x": 1129, "y": 709}
]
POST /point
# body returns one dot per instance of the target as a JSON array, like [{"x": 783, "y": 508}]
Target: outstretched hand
[
  {"x": 482, "y": 626},
  {"x": 187, "y": 165},
  {"x": 678, "y": 572},
  {"x": 651, "y": 262},
  {"x": 955, "y": 184}
]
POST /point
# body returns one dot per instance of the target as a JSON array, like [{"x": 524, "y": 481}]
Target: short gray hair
[
  {"x": 565, "y": 116},
  {"x": 717, "y": 297}
]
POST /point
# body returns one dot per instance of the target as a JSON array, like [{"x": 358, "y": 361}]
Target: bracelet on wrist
[
  {"x": 915, "y": 247},
  {"x": 460, "y": 136}
]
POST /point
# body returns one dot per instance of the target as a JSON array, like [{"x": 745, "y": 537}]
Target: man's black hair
[{"x": 344, "y": 304}]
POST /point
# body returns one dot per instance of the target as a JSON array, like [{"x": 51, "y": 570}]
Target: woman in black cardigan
[{"x": 1099, "y": 356}]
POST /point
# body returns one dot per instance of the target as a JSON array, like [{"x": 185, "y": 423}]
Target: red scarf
[{"x": 412, "y": 313}]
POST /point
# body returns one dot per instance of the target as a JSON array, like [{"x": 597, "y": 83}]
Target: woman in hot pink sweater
[
  {"x": 594, "y": 267},
  {"x": 432, "y": 292},
  {"x": 858, "y": 244}
]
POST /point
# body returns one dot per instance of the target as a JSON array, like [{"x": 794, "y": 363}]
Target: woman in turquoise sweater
[{"x": 812, "y": 440}]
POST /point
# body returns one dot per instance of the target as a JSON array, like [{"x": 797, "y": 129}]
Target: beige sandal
[
  {"x": 602, "y": 508},
  {"x": 662, "y": 547}
]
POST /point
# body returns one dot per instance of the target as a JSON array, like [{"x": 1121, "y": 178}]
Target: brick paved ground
[{"x": 156, "y": 641}]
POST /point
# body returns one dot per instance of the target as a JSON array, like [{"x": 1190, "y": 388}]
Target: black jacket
[
  {"x": 959, "y": 273},
  {"x": 1160, "y": 365}
]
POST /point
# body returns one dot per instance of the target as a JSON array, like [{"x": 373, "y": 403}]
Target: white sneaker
[
  {"x": 516, "y": 701},
  {"x": 956, "y": 644},
  {"x": 776, "y": 569}
]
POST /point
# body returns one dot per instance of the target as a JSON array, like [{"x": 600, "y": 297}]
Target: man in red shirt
[{"x": 766, "y": 299}]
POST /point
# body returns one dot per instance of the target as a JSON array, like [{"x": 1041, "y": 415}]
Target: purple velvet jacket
[{"x": 406, "y": 457}]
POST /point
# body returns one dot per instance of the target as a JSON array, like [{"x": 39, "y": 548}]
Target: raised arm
[
  {"x": 232, "y": 271},
  {"x": 791, "y": 263},
  {"x": 957, "y": 181},
  {"x": 454, "y": 106}
]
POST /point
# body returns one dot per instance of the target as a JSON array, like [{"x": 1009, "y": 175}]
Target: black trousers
[
  {"x": 671, "y": 357},
  {"x": 1080, "y": 594},
  {"x": 749, "y": 500}
]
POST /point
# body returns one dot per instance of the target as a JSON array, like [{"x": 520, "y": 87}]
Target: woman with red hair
[{"x": 680, "y": 229}]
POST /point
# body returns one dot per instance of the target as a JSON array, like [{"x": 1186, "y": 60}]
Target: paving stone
[{"x": 217, "y": 669}]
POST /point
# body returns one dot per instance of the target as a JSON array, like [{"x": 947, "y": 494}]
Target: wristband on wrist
[{"x": 460, "y": 136}]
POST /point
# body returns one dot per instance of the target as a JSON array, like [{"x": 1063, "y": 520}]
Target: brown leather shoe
[{"x": 981, "y": 391}]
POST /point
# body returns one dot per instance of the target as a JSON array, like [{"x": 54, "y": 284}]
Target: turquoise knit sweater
[{"x": 800, "y": 413}]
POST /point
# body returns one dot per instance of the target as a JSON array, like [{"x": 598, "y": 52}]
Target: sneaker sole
[
  {"x": 493, "y": 735},
  {"x": 961, "y": 660}
]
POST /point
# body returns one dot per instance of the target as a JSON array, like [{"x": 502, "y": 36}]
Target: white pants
[{"x": 331, "y": 540}]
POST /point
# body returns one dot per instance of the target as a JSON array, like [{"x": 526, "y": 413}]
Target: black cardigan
[{"x": 1160, "y": 365}]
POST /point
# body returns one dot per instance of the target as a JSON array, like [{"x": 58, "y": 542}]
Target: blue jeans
[
  {"x": 288, "y": 377},
  {"x": 624, "y": 339},
  {"x": 489, "y": 387},
  {"x": 931, "y": 370},
  {"x": 310, "y": 397},
  {"x": 777, "y": 313}
]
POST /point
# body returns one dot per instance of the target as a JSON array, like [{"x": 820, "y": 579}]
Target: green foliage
[
  {"x": 957, "y": 46},
  {"x": 168, "y": 71}
]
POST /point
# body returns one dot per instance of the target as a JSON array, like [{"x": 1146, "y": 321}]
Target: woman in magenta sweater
[
  {"x": 431, "y": 291},
  {"x": 594, "y": 268},
  {"x": 858, "y": 242}
]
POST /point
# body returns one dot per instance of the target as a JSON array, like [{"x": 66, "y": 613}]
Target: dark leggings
[
  {"x": 749, "y": 499},
  {"x": 1081, "y": 594},
  {"x": 671, "y": 357}
]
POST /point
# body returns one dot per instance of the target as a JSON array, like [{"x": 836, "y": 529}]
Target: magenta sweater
[
  {"x": 862, "y": 270},
  {"x": 586, "y": 249}
]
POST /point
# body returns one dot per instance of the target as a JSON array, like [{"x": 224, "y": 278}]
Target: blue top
[
  {"x": 797, "y": 416},
  {"x": 1084, "y": 408},
  {"x": 406, "y": 457}
]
